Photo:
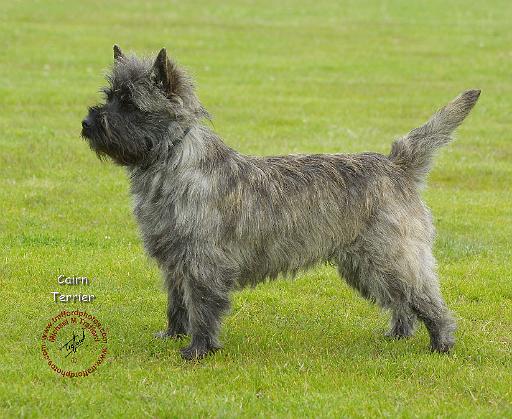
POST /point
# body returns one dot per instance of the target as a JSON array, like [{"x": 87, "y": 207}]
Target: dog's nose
[{"x": 86, "y": 123}]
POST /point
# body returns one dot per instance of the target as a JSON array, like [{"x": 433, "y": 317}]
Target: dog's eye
[
  {"x": 124, "y": 97},
  {"x": 107, "y": 93},
  {"x": 127, "y": 104}
]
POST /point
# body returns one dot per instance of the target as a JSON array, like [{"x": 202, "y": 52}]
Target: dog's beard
[
  {"x": 107, "y": 141},
  {"x": 101, "y": 139}
]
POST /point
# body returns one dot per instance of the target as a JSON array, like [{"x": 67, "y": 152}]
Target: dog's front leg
[
  {"x": 206, "y": 298},
  {"x": 177, "y": 316}
]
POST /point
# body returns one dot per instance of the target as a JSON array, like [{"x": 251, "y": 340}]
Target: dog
[{"x": 216, "y": 220}]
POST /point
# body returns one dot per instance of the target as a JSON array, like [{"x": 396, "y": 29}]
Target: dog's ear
[
  {"x": 168, "y": 76},
  {"x": 118, "y": 54},
  {"x": 162, "y": 69}
]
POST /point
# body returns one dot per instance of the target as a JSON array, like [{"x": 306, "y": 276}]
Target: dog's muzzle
[{"x": 88, "y": 124}]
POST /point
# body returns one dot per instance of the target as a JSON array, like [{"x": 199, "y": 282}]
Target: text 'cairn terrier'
[{"x": 215, "y": 219}]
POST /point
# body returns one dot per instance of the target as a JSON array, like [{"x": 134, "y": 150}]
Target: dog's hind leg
[
  {"x": 428, "y": 304},
  {"x": 414, "y": 267},
  {"x": 380, "y": 286},
  {"x": 403, "y": 322},
  {"x": 406, "y": 284}
]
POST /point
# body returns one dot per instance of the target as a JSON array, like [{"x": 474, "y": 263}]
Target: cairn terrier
[{"x": 215, "y": 219}]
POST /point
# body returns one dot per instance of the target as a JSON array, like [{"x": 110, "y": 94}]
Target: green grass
[{"x": 279, "y": 77}]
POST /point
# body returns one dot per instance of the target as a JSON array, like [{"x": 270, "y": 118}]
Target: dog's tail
[{"x": 415, "y": 151}]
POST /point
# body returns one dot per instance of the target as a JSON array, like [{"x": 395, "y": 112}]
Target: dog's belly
[{"x": 283, "y": 252}]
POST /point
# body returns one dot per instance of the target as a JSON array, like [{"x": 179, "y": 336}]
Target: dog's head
[{"x": 149, "y": 105}]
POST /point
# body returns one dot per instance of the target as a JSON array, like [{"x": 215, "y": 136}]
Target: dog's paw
[
  {"x": 393, "y": 334},
  {"x": 169, "y": 334},
  {"x": 196, "y": 352},
  {"x": 399, "y": 333},
  {"x": 442, "y": 347}
]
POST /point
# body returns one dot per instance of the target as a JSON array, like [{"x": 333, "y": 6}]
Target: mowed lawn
[{"x": 279, "y": 77}]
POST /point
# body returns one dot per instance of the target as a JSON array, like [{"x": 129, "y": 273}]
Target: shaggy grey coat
[{"x": 215, "y": 219}]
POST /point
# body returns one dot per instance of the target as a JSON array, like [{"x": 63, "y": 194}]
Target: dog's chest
[
  {"x": 171, "y": 212},
  {"x": 155, "y": 211}
]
